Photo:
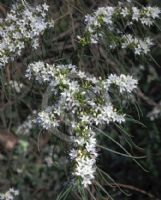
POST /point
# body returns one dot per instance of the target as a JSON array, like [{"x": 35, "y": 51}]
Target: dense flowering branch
[
  {"x": 23, "y": 25},
  {"x": 109, "y": 23},
  {"x": 81, "y": 101}
]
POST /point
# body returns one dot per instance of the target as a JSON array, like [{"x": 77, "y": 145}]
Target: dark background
[{"x": 22, "y": 157}]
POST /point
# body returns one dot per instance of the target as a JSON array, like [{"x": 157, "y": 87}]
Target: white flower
[
  {"x": 152, "y": 12},
  {"x": 108, "y": 15},
  {"x": 108, "y": 114},
  {"x": 47, "y": 119},
  {"x": 21, "y": 26},
  {"x": 27, "y": 125},
  {"x": 85, "y": 118},
  {"x": 17, "y": 86},
  {"x": 85, "y": 166},
  {"x": 45, "y": 7},
  {"x": 125, "y": 83},
  {"x": 124, "y": 12},
  {"x": 73, "y": 154},
  {"x": 9, "y": 195},
  {"x": 135, "y": 13},
  {"x": 140, "y": 46},
  {"x": 85, "y": 169},
  {"x": 91, "y": 145},
  {"x": 82, "y": 101}
]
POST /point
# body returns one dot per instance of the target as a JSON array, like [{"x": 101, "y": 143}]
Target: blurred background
[{"x": 35, "y": 161}]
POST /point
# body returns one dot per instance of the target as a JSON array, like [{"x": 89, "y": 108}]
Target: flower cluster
[
  {"x": 140, "y": 46},
  {"x": 84, "y": 155},
  {"x": 80, "y": 102},
  {"x": 26, "y": 127},
  {"x": 47, "y": 119},
  {"x": 104, "y": 24},
  {"x": 22, "y": 25},
  {"x": 9, "y": 195},
  {"x": 125, "y": 83},
  {"x": 17, "y": 86}
]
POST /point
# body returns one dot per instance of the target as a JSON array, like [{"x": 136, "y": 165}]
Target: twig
[
  {"x": 130, "y": 187},
  {"x": 145, "y": 98}
]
